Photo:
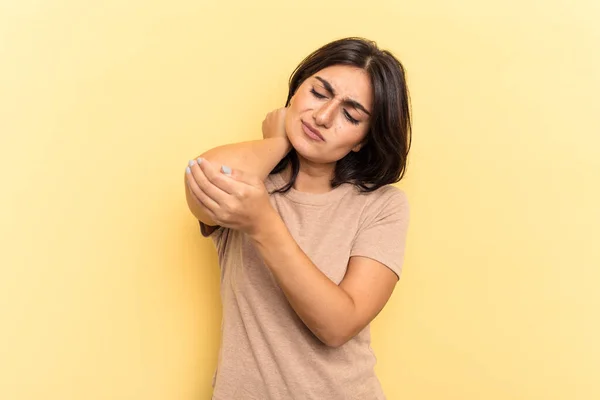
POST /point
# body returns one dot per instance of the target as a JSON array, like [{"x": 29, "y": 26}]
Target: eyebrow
[{"x": 350, "y": 102}]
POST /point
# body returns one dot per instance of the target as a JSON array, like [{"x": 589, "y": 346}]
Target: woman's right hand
[{"x": 274, "y": 124}]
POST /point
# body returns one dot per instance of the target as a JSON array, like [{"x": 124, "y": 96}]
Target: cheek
[
  {"x": 292, "y": 109},
  {"x": 296, "y": 102},
  {"x": 350, "y": 135},
  {"x": 289, "y": 116}
]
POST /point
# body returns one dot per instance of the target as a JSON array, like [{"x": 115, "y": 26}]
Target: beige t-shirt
[{"x": 267, "y": 353}]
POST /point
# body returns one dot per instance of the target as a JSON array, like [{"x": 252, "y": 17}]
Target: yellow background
[{"x": 107, "y": 290}]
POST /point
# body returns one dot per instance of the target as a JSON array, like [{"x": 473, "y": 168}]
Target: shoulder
[
  {"x": 388, "y": 193},
  {"x": 387, "y": 200}
]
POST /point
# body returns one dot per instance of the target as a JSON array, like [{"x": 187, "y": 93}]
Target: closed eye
[
  {"x": 317, "y": 94},
  {"x": 345, "y": 112},
  {"x": 349, "y": 118}
]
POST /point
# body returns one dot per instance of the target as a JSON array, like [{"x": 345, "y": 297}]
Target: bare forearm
[
  {"x": 322, "y": 305},
  {"x": 257, "y": 157}
]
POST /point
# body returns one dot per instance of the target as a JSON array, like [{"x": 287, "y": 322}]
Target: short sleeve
[
  {"x": 382, "y": 233},
  {"x": 208, "y": 230},
  {"x": 220, "y": 236},
  {"x": 216, "y": 233}
]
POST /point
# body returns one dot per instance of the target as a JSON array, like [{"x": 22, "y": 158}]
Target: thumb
[{"x": 238, "y": 175}]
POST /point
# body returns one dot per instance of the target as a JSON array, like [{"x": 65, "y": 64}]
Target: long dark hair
[{"x": 382, "y": 158}]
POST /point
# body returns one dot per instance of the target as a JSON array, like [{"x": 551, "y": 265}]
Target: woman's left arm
[{"x": 334, "y": 313}]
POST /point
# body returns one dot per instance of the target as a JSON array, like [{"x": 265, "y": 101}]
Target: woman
[{"x": 310, "y": 235}]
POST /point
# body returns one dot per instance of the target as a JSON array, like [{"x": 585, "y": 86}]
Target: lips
[{"x": 311, "y": 132}]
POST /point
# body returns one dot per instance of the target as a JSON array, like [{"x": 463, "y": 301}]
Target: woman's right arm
[{"x": 257, "y": 157}]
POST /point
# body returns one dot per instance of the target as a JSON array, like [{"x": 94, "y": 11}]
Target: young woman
[{"x": 309, "y": 233}]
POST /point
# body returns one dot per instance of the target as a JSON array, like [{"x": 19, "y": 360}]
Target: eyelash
[
  {"x": 317, "y": 94},
  {"x": 346, "y": 114}
]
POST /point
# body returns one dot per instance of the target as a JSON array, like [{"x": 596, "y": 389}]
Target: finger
[
  {"x": 209, "y": 204},
  {"x": 205, "y": 184},
  {"x": 220, "y": 178}
]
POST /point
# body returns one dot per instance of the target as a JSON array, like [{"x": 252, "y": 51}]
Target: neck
[{"x": 312, "y": 177}]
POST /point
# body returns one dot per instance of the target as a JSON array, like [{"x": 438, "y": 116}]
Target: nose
[{"x": 324, "y": 115}]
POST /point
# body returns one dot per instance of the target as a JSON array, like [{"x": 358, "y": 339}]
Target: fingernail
[
  {"x": 191, "y": 163},
  {"x": 226, "y": 170},
  {"x": 188, "y": 170},
  {"x": 200, "y": 159}
]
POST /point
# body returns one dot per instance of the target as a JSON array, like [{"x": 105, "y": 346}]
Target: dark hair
[{"x": 382, "y": 159}]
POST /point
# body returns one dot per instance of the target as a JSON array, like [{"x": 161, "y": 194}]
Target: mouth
[{"x": 311, "y": 132}]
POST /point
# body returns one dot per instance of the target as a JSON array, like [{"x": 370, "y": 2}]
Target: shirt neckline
[{"x": 316, "y": 199}]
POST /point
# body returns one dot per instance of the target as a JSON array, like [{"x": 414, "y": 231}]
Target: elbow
[
  {"x": 336, "y": 343},
  {"x": 340, "y": 331},
  {"x": 336, "y": 338}
]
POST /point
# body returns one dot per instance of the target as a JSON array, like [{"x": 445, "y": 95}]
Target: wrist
[
  {"x": 266, "y": 229},
  {"x": 281, "y": 141}
]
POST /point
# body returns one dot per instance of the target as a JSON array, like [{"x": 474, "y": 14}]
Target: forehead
[{"x": 349, "y": 82}]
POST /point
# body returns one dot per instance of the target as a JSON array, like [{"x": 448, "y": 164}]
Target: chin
[
  {"x": 308, "y": 152},
  {"x": 304, "y": 147}
]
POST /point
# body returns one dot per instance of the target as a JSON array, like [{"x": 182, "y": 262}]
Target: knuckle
[
  {"x": 233, "y": 208},
  {"x": 215, "y": 180},
  {"x": 242, "y": 193},
  {"x": 228, "y": 208},
  {"x": 206, "y": 176}
]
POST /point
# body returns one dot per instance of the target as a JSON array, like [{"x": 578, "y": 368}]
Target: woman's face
[{"x": 329, "y": 114}]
